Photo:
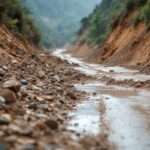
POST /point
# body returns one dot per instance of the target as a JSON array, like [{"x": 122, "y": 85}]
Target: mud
[{"x": 124, "y": 125}]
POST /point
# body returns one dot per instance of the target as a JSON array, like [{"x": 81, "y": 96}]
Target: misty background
[{"x": 59, "y": 20}]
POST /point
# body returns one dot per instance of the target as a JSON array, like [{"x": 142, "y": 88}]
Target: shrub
[{"x": 147, "y": 13}]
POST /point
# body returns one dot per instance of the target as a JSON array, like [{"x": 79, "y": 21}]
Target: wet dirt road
[{"x": 123, "y": 112}]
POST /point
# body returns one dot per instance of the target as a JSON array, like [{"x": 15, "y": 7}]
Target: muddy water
[{"x": 127, "y": 113}]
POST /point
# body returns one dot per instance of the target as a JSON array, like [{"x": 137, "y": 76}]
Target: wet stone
[
  {"x": 24, "y": 82},
  {"x": 33, "y": 105},
  {"x": 4, "y": 121}
]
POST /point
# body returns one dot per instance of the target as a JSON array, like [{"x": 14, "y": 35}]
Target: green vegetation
[
  {"x": 100, "y": 20},
  {"x": 111, "y": 13},
  {"x": 143, "y": 14},
  {"x": 17, "y": 18},
  {"x": 59, "y": 20}
]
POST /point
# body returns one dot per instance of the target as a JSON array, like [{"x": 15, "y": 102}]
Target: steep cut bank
[{"x": 128, "y": 42}]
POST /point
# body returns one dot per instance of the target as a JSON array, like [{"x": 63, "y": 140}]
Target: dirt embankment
[{"x": 127, "y": 45}]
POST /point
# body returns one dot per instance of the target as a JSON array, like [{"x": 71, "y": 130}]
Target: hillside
[
  {"x": 17, "y": 18},
  {"x": 116, "y": 36},
  {"x": 59, "y": 19}
]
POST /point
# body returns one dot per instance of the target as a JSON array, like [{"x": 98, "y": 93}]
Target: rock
[
  {"x": 111, "y": 71},
  {"x": 41, "y": 74},
  {"x": 28, "y": 147},
  {"x": 43, "y": 107},
  {"x": 62, "y": 101},
  {"x": 4, "y": 121},
  {"x": 3, "y": 146},
  {"x": 52, "y": 124},
  {"x": 40, "y": 84},
  {"x": 24, "y": 93},
  {"x": 48, "y": 98},
  {"x": 8, "y": 95},
  {"x": 71, "y": 95},
  {"x": 2, "y": 72},
  {"x": 57, "y": 78},
  {"x": 40, "y": 115},
  {"x": 2, "y": 100},
  {"x": 50, "y": 92},
  {"x": 12, "y": 85},
  {"x": 33, "y": 105},
  {"x": 40, "y": 125},
  {"x": 24, "y": 82},
  {"x": 23, "y": 129},
  {"x": 40, "y": 99},
  {"x": 49, "y": 147},
  {"x": 59, "y": 89}
]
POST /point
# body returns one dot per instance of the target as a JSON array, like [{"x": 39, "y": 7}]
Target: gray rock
[
  {"x": 57, "y": 78},
  {"x": 28, "y": 147},
  {"x": 33, "y": 105},
  {"x": 4, "y": 121},
  {"x": 24, "y": 82},
  {"x": 2, "y": 72},
  {"x": 2, "y": 100},
  {"x": 43, "y": 107}
]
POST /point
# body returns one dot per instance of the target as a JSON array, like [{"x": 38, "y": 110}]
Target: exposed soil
[{"x": 127, "y": 46}]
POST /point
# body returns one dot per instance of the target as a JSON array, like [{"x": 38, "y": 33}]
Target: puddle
[
  {"x": 86, "y": 118},
  {"x": 127, "y": 110}
]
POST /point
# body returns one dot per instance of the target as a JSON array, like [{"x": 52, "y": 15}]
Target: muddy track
[{"x": 119, "y": 123}]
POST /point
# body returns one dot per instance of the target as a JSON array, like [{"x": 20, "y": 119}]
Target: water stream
[{"x": 127, "y": 110}]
